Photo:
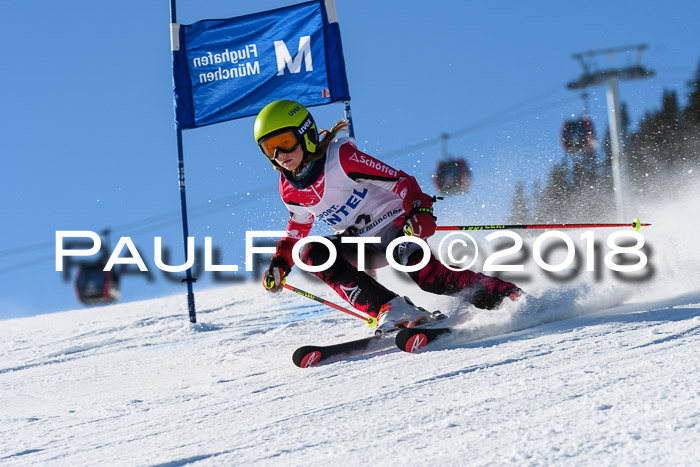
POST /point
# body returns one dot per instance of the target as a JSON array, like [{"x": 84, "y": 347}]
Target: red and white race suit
[
  {"x": 359, "y": 195},
  {"x": 355, "y": 194}
]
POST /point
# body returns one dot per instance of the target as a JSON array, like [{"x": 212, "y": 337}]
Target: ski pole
[
  {"x": 636, "y": 225},
  {"x": 370, "y": 320}
]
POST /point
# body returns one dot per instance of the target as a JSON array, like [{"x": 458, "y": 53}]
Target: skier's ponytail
[{"x": 327, "y": 136}]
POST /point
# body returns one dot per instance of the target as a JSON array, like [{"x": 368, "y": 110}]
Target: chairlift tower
[{"x": 594, "y": 75}]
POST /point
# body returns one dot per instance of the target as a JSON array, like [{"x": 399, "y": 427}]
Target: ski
[
  {"x": 414, "y": 339},
  {"x": 311, "y": 355}
]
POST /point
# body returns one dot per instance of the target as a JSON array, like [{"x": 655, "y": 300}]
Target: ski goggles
[{"x": 284, "y": 142}]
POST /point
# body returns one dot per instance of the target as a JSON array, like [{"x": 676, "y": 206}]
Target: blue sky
[{"x": 88, "y": 142}]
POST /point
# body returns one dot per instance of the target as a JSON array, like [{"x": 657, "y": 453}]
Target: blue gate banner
[{"x": 231, "y": 68}]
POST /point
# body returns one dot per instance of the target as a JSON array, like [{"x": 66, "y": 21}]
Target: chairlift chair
[
  {"x": 577, "y": 136},
  {"x": 93, "y": 285},
  {"x": 452, "y": 176}
]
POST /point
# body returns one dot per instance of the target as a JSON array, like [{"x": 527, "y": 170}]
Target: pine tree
[
  {"x": 654, "y": 147},
  {"x": 518, "y": 206},
  {"x": 669, "y": 126},
  {"x": 690, "y": 129},
  {"x": 624, "y": 121},
  {"x": 554, "y": 199},
  {"x": 691, "y": 113}
]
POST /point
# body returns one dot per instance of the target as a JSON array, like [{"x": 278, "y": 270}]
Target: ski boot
[{"x": 402, "y": 313}]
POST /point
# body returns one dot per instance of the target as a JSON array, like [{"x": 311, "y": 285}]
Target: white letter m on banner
[{"x": 284, "y": 58}]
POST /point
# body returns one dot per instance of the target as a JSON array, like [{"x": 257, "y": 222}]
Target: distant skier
[{"x": 328, "y": 179}]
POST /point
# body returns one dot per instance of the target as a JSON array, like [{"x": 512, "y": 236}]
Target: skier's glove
[
  {"x": 280, "y": 266},
  {"x": 275, "y": 276},
  {"x": 420, "y": 221}
]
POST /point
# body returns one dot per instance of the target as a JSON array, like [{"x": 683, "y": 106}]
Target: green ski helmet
[{"x": 280, "y": 116}]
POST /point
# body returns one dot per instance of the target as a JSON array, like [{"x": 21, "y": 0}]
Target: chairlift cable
[{"x": 492, "y": 120}]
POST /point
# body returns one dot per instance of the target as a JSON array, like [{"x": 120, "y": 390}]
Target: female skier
[{"x": 328, "y": 179}]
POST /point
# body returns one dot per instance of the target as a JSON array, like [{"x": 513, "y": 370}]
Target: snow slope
[
  {"x": 135, "y": 384},
  {"x": 606, "y": 373}
]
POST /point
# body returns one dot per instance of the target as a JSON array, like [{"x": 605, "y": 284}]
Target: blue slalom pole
[
  {"x": 183, "y": 196},
  {"x": 348, "y": 117}
]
